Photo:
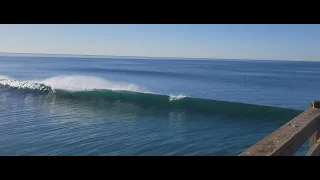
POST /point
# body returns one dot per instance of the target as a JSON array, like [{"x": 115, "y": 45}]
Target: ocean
[{"x": 134, "y": 106}]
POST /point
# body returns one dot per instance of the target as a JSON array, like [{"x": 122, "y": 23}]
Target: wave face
[
  {"x": 84, "y": 88},
  {"x": 186, "y": 104}
]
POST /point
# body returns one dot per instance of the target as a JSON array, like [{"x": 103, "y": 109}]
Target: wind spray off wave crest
[
  {"x": 4, "y": 77},
  {"x": 88, "y": 83},
  {"x": 70, "y": 83}
]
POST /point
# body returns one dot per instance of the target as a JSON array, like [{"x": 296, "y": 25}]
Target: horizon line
[{"x": 153, "y": 57}]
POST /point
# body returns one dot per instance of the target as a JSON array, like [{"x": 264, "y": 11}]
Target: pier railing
[{"x": 289, "y": 138}]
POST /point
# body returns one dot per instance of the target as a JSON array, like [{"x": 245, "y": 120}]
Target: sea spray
[{"x": 87, "y": 83}]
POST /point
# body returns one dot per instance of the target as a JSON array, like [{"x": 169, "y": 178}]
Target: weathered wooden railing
[{"x": 289, "y": 138}]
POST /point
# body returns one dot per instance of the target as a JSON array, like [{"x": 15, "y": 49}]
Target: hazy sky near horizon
[{"x": 243, "y": 41}]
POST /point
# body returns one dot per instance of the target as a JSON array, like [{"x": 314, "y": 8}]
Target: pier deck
[{"x": 289, "y": 138}]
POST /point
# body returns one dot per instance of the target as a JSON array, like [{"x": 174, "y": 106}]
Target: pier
[{"x": 289, "y": 138}]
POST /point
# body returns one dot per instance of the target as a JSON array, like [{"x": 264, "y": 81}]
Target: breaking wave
[{"x": 87, "y": 88}]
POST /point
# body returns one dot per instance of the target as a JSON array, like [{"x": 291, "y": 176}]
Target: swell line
[{"x": 98, "y": 92}]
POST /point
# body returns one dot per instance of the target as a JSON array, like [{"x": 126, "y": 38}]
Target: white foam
[
  {"x": 22, "y": 84},
  {"x": 176, "y": 97}
]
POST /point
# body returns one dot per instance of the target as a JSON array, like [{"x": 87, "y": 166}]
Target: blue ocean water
[{"x": 64, "y": 105}]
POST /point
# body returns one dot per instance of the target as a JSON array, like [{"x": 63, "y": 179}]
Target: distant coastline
[{"x": 137, "y": 57}]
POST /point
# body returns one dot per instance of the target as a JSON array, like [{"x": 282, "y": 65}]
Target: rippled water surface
[{"x": 110, "y": 106}]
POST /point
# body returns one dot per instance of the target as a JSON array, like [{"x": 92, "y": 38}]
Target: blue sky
[{"x": 243, "y": 41}]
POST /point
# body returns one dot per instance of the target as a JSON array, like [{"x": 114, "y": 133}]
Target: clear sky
[{"x": 243, "y": 41}]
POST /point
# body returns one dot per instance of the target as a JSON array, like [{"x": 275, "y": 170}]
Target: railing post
[
  {"x": 316, "y": 135},
  {"x": 314, "y": 138}
]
